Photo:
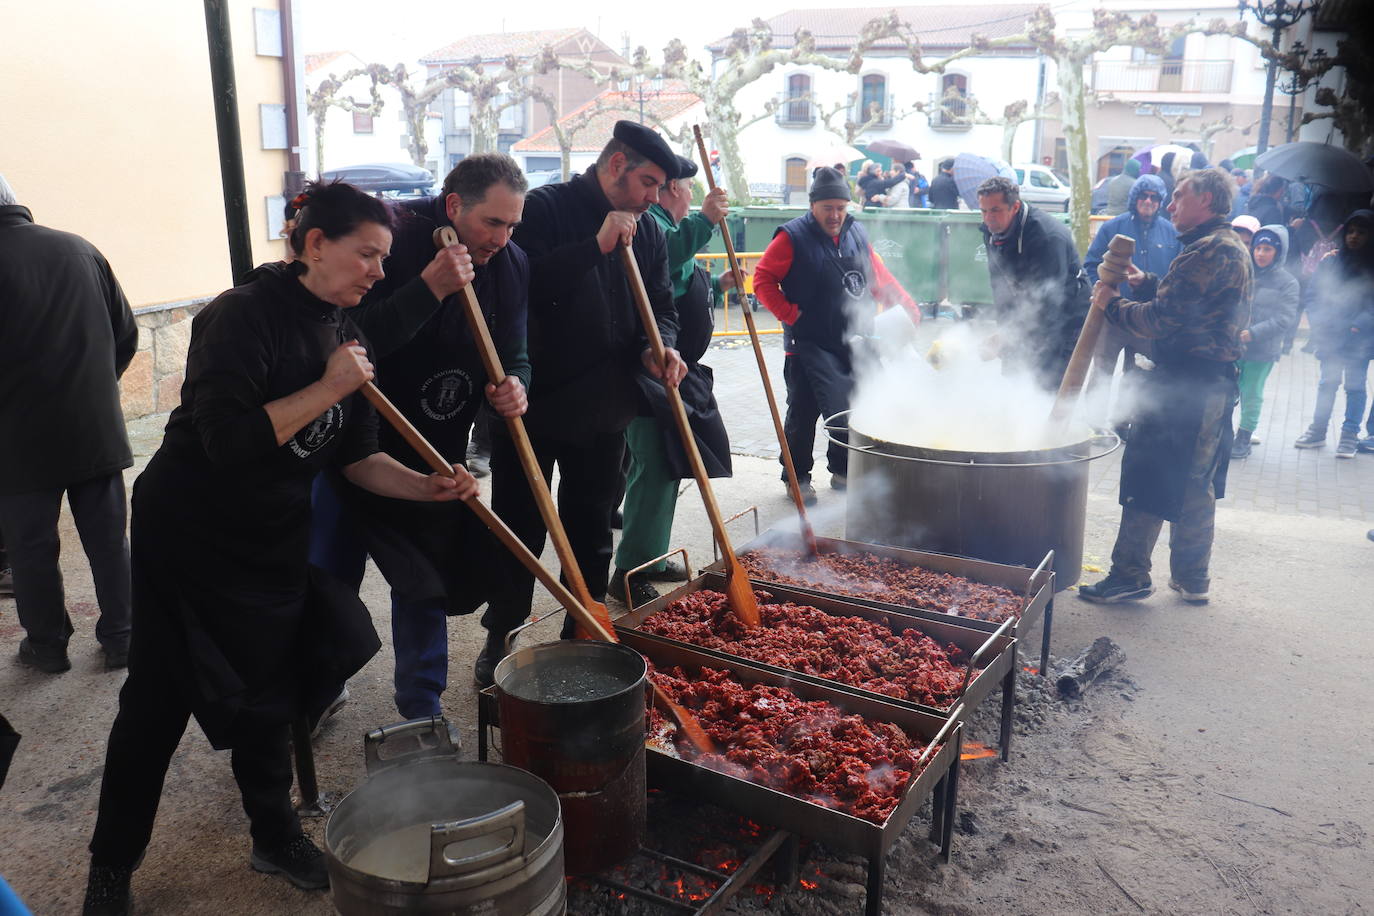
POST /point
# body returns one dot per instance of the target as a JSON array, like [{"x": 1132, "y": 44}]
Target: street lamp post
[
  {"x": 1300, "y": 79},
  {"x": 1275, "y": 15}
]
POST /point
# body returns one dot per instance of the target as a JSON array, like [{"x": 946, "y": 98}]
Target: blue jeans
[
  {"x": 1333, "y": 369},
  {"x": 419, "y": 629}
]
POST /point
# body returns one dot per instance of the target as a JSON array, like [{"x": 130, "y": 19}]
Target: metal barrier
[{"x": 747, "y": 260}]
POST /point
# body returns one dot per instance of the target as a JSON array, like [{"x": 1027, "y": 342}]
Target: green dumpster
[
  {"x": 966, "y": 259},
  {"x": 908, "y": 241},
  {"x": 761, "y": 222}
]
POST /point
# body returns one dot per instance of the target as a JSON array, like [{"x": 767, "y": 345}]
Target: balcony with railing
[
  {"x": 876, "y": 115},
  {"x": 1162, "y": 76},
  {"x": 794, "y": 111}
]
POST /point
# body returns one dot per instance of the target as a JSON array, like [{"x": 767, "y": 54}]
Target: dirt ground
[{"x": 1227, "y": 768}]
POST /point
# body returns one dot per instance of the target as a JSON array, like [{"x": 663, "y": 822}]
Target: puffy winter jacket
[{"x": 1274, "y": 307}]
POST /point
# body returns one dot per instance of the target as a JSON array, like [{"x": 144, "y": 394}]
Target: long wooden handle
[
  {"x": 585, "y": 618},
  {"x": 741, "y": 594},
  {"x": 491, "y": 361},
  {"x": 793, "y": 482},
  {"x": 1077, "y": 370},
  {"x": 431, "y": 456}
]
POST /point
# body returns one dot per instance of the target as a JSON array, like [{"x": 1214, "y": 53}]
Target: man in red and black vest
[{"x": 821, "y": 278}]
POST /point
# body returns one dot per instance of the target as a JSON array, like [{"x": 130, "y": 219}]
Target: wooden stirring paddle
[
  {"x": 691, "y": 728},
  {"x": 444, "y": 236},
  {"x": 737, "y": 585},
  {"x": 793, "y": 482}
]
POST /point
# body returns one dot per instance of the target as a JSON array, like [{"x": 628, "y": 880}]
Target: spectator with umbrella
[{"x": 944, "y": 193}]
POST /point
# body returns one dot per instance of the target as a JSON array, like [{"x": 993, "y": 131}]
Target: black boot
[
  {"x": 107, "y": 891},
  {"x": 484, "y": 669},
  {"x": 1241, "y": 447}
]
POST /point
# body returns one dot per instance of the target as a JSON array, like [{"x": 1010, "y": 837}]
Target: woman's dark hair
[{"x": 336, "y": 209}]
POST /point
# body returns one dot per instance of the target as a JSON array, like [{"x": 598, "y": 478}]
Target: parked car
[
  {"x": 1042, "y": 187},
  {"x": 383, "y": 176},
  {"x": 540, "y": 177}
]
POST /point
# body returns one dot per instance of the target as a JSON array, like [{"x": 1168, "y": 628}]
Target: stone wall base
[{"x": 152, "y": 383}]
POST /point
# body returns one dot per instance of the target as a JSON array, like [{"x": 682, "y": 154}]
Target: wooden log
[{"x": 1098, "y": 659}]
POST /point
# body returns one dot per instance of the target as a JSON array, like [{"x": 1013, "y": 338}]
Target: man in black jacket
[
  {"x": 1039, "y": 290},
  {"x": 68, "y": 336},
  {"x": 944, "y": 193},
  {"x": 435, "y": 557},
  {"x": 586, "y": 347}
]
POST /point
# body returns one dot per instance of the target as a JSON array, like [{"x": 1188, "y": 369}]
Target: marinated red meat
[
  {"x": 875, "y": 578},
  {"x": 809, "y": 749},
  {"x": 908, "y": 665}
]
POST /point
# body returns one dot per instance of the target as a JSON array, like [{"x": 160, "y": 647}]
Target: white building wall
[{"x": 994, "y": 81}]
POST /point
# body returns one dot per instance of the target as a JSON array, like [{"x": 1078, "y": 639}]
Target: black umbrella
[{"x": 1317, "y": 163}]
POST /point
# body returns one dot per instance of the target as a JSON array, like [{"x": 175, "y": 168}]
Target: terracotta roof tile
[
  {"x": 315, "y": 62},
  {"x": 671, "y": 101},
  {"x": 937, "y": 26},
  {"x": 498, "y": 45}
]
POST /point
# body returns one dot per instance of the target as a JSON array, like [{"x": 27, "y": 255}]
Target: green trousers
[
  {"x": 1252, "y": 378},
  {"x": 650, "y": 497}
]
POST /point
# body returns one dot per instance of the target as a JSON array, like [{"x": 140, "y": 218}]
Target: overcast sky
[{"x": 403, "y": 30}]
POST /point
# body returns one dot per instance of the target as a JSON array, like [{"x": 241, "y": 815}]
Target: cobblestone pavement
[{"x": 1276, "y": 477}]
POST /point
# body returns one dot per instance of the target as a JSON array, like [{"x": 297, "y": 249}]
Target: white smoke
[{"x": 968, "y": 404}]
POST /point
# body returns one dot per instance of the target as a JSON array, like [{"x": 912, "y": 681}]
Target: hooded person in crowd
[
  {"x": 1156, "y": 246},
  {"x": 820, "y": 277},
  {"x": 1340, "y": 301},
  {"x": 1174, "y": 466},
  {"x": 1119, "y": 188},
  {"x": 587, "y": 346},
  {"x": 1246, "y": 226},
  {"x": 1039, "y": 289},
  {"x": 1272, "y": 309},
  {"x": 944, "y": 193}
]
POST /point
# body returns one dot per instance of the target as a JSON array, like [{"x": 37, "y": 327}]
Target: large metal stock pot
[
  {"x": 1005, "y": 507},
  {"x": 428, "y": 833}
]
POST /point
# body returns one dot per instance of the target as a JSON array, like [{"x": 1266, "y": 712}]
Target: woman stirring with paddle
[{"x": 231, "y": 624}]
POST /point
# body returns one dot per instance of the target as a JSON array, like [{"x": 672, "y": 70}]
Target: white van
[{"x": 1042, "y": 187}]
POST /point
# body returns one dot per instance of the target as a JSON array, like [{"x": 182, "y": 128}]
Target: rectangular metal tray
[
  {"x": 1032, "y": 584},
  {"x": 999, "y": 662},
  {"x": 837, "y": 829},
  {"x": 1036, "y": 586}
]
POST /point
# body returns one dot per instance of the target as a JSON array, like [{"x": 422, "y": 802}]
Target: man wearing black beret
[{"x": 586, "y": 347}]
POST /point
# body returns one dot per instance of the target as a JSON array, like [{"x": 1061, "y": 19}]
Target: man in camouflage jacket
[{"x": 1174, "y": 467}]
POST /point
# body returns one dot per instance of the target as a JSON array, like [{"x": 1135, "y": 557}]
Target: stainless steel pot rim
[
  {"x": 506, "y": 666},
  {"x": 1107, "y": 435}
]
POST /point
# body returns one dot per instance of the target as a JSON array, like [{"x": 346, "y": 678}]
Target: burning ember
[
  {"x": 807, "y": 748},
  {"x": 864, "y": 575},
  {"x": 975, "y": 751},
  {"x": 852, "y": 650}
]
